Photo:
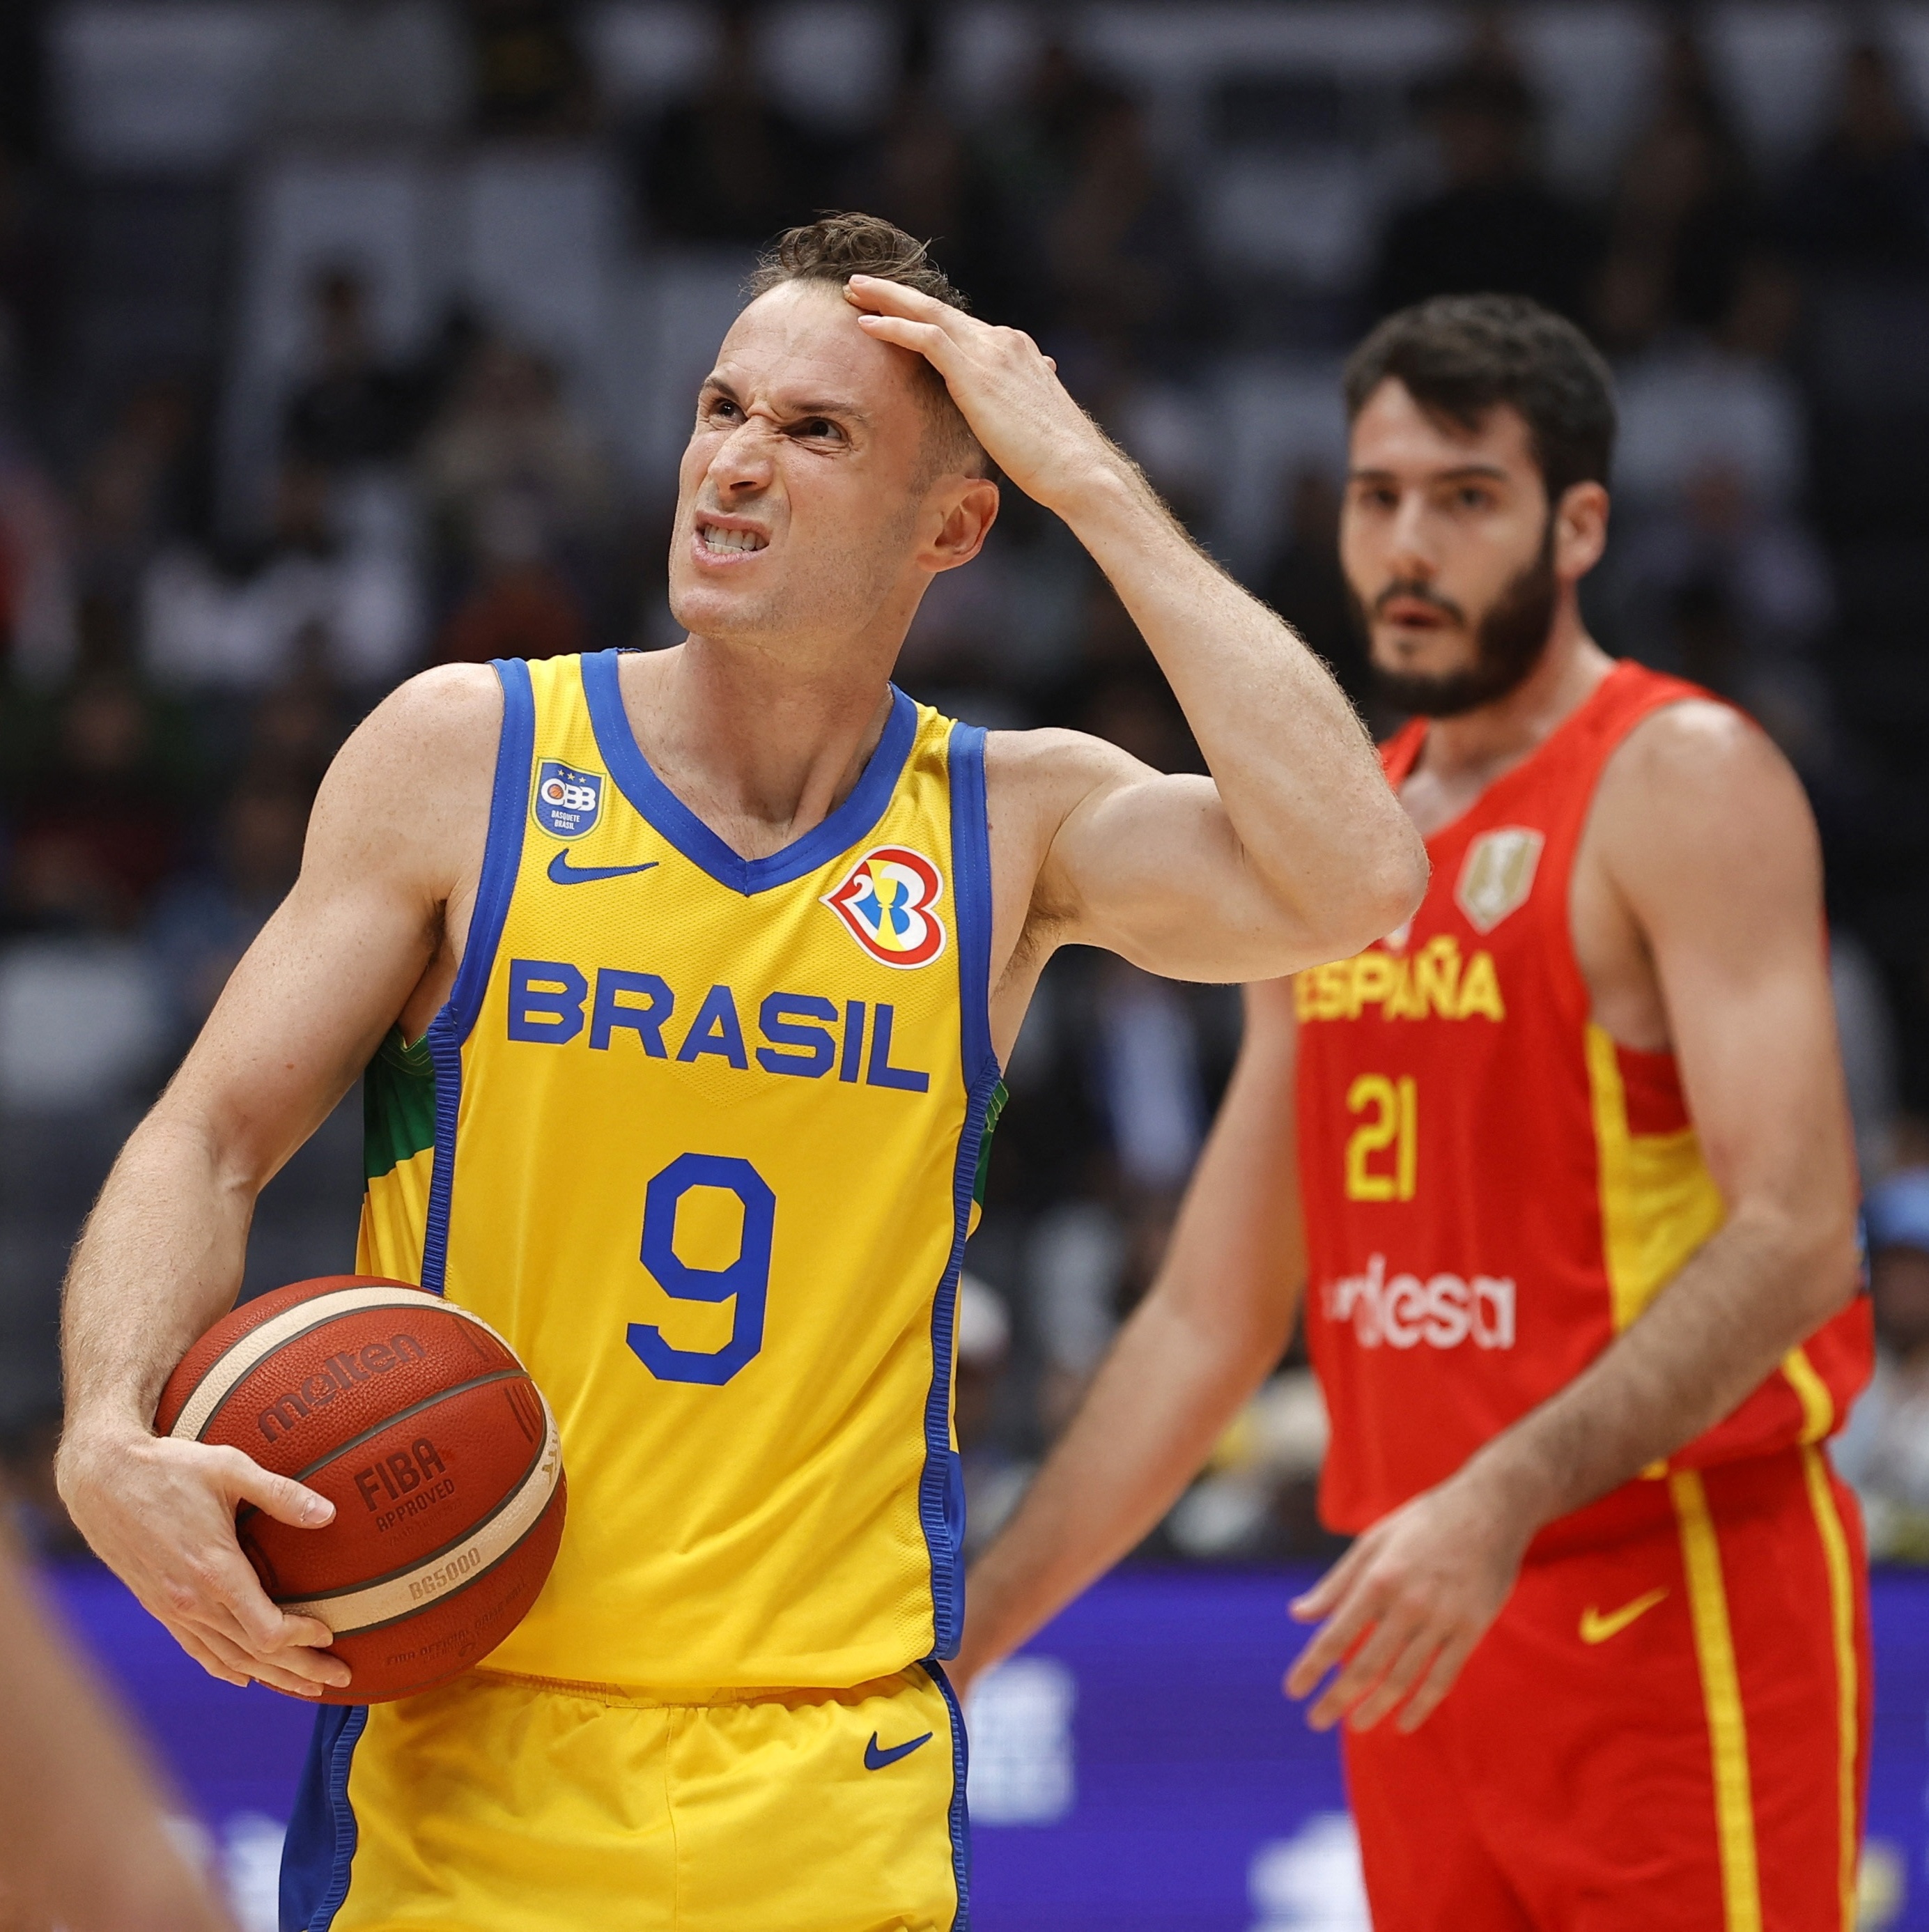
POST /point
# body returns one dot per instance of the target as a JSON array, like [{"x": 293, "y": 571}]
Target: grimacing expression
[
  {"x": 1448, "y": 541},
  {"x": 800, "y": 491}
]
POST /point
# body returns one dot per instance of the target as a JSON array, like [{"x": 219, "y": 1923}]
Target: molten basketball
[{"x": 416, "y": 1420}]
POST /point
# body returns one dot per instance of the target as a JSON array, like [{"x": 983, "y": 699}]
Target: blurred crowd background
[{"x": 341, "y": 337}]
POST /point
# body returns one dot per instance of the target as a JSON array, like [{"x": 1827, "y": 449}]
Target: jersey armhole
[
  {"x": 502, "y": 853},
  {"x": 971, "y": 884}
]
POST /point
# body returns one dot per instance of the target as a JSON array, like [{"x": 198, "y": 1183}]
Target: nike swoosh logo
[
  {"x": 875, "y": 1760},
  {"x": 564, "y": 874},
  {"x": 1596, "y": 1628}
]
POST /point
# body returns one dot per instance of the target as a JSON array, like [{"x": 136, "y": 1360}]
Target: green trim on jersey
[
  {"x": 994, "y": 1108},
  {"x": 397, "y": 1104}
]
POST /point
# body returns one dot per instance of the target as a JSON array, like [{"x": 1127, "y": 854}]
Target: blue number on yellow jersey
[{"x": 700, "y": 1135}]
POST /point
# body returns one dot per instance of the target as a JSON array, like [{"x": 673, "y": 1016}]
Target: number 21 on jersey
[{"x": 1391, "y": 1111}]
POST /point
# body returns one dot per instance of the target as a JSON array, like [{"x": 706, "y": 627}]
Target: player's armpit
[{"x": 1149, "y": 865}]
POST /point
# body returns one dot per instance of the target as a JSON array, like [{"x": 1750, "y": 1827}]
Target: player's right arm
[
  {"x": 374, "y": 922},
  {"x": 1214, "y": 1324}
]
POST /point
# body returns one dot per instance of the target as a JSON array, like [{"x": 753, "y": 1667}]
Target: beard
[{"x": 1510, "y": 639}]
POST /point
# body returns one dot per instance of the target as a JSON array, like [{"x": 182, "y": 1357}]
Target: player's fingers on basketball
[
  {"x": 280, "y": 1497},
  {"x": 303, "y": 1672},
  {"x": 238, "y": 1665},
  {"x": 1438, "y": 1680},
  {"x": 204, "y": 1654}
]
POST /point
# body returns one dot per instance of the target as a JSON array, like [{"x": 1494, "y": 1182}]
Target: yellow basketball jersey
[{"x": 700, "y": 1135}]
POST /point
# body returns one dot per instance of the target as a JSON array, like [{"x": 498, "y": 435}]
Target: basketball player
[
  {"x": 682, "y": 982},
  {"x": 1564, "y": 1166}
]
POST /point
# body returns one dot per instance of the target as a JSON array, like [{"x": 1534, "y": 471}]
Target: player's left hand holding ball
[{"x": 1403, "y": 1609}]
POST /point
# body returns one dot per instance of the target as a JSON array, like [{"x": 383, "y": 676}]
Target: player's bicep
[{"x": 1147, "y": 865}]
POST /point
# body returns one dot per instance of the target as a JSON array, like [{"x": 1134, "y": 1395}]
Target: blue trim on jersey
[
  {"x": 320, "y": 1845},
  {"x": 941, "y": 1487},
  {"x": 960, "y": 1815},
  {"x": 501, "y": 859},
  {"x": 971, "y": 898},
  {"x": 844, "y": 828}
]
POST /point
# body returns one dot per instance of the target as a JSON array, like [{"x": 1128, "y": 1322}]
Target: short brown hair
[
  {"x": 1461, "y": 356},
  {"x": 838, "y": 245}
]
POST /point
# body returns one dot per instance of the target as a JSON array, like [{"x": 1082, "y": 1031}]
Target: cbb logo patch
[
  {"x": 568, "y": 803},
  {"x": 886, "y": 900}
]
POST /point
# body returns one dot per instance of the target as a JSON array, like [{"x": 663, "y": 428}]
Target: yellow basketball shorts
[{"x": 501, "y": 1804}]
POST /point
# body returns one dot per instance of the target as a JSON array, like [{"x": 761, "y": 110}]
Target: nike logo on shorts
[
  {"x": 1596, "y": 1628},
  {"x": 875, "y": 1760},
  {"x": 563, "y": 873}
]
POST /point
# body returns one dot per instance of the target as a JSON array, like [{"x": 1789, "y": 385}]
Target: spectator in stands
[
  {"x": 354, "y": 408},
  {"x": 368, "y": 67},
  {"x": 1120, "y": 258},
  {"x": 1685, "y": 226},
  {"x": 507, "y": 426},
  {"x": 522, "y": 606},
  {"x": 727, "y": 164},
  {"x": 244, "y": 623},
  {"x": 917, "y": 169},
  {"x": 1861, "y": 200},
  {"x": 530, "y": 77},
  {"x": 143, "y": 487},
  {"x": 1302, "y": 581},
  {"x": 1031, "y": 153},
  {"x": 37, "y": 585},
  {"x": 96, "y": 812},
  {"x": 1493, "y": 224},
  {"x": 1884, "y": 1452},
  {"x": 204, "y": 920}
]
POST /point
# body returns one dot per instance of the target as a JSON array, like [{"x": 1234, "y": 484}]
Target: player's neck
[
  {"x": 1465, "y": 754},
  {"x": 761, "y": 749}
]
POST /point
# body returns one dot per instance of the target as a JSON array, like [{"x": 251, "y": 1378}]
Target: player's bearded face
[
  {"x": 797, "y": 496},
  {"x": 1509, "y": 638}
]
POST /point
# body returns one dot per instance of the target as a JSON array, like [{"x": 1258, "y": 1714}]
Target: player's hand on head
[
  {"x": 1400, "y": 1612},
  {"x": 160, "y": 1514},
  {"x": 1007, "y": 389}
]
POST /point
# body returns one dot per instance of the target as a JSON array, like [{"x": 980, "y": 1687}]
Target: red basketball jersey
[{"x": 1494, "y": 1187}]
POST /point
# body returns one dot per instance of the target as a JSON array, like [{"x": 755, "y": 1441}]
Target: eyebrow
[
  {"x": 1491, "y": 471},
  {"x": 845, "y": 412}
]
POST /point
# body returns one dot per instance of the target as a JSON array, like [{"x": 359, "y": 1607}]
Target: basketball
[{"x": 416, "y": 1420}]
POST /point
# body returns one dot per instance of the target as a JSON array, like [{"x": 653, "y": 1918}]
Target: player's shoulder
[
  {"x": 416, "y": 774},
  {"x": 1699, "y": 775},
  {"x": 1050, "y": 762},
  {"x": 439, "y": 723},
  {"x": 1695, "y": 760}
]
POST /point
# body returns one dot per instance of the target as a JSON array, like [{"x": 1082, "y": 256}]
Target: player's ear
[
  {"x": 965, "y": 509},
  {"x": 1580, "y": 529}
]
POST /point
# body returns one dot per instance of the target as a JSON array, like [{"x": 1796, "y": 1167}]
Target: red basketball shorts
[{"x": 1665, "y": 1731}]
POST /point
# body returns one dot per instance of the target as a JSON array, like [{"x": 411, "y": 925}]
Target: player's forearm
[
  {"x": 1758, "y": 1289},
  {"x": 161, "y": 1259},
  {"x": 1162, "y": 1399},
  {"x": 1217, "y": 1321},
  {"x": 1294, "y": 768}
]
